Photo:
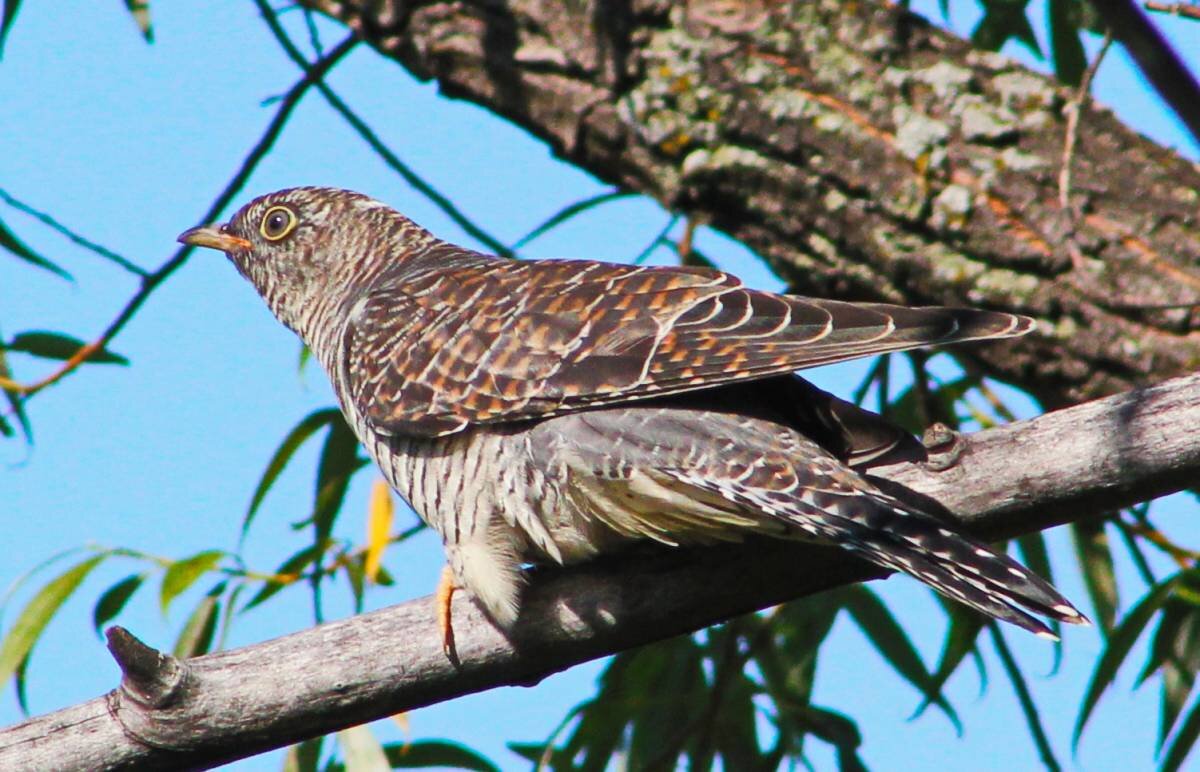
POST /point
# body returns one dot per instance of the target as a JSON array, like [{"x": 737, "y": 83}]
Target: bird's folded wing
[{"x": 432, "y": 352}]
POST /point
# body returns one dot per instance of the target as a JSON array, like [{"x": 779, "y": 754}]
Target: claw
[{"x": 945, "y": 447}]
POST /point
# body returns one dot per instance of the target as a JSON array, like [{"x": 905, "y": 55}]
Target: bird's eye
[{"x": 278, "y": 222}]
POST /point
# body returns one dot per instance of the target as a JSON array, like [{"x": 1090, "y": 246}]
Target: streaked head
[{"x": 306, "y": 246}]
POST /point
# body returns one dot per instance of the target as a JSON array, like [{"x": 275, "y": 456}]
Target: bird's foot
[
  {"x": 442, "y": 597},
  {"x": 944, "y": 446}
]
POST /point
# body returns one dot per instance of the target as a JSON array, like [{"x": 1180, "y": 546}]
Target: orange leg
[{"x": 442, "y": 597}]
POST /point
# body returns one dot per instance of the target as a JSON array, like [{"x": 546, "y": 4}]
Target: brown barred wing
[{"x": 430, "y": 351}]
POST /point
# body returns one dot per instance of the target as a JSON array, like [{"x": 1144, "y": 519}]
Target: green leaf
[
  {"x": 646, "y": 697},
  {"x": 541, "y": 756},
  {"x": 1120, "y": 641},
  {"x": 1070, "y": 61},
  {"x": 140, "y": 10},
  {"x": 114, "y": 599},
  {"x": 1032, "y": 547},
  {"x": 665, "y": 691},
  {"x": 1004, "y": 19},
  {"x": 1099, "y": 575},
  {"x": 436, "y": 753},
  {"x": 294, "y": 565},
  {"x": 338, "y": 463},
  {"x": 303, "y": 757},
  {"x": 182, "y": 574},
  {"x": 55, "y": 345},
  {"x": 38, "y": 612},
  {"x": 21, "y": 681},
  {"x": 1172, "y": 651},
  {"x": 566, "y": 213},
  {"x": 1033, "y": 718},
  {"x": 23, "y": 579},
  {"x": 6, "y": 21},
  {"x": 789, "y": 659},
  {"x": 8, "y": 239},
  {"x": 1185, "y": 738},
  {"x": 890, "y": 640},
  {"x": 196, "y": 637},
  {"x": 231, "y": 608},
  {"x": 15, "y": 403},
  {"x": 312, "y": 423},
  {"x": 735, "y": 724},
  {"x": 839, "y": 731},
  {"x": 960, "y": 641},
  {"x": 356, "y": 575}
]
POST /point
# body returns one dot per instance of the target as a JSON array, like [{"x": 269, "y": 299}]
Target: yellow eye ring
[{"x": 277, "y": 222}]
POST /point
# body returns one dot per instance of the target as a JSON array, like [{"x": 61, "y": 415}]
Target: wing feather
[{"x": 432, "y": 351}]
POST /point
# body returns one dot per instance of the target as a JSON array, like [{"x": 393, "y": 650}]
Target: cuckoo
[{"x": 551, "y": 410}]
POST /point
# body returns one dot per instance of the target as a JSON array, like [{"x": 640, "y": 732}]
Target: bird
[{"x": 552, "y": 411}]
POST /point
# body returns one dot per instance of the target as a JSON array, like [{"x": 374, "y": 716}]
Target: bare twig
[
  {"x": 151, "y": 281},
  {"x": 1073, "y": 109},
  {"x": 383, "y": 151},
  {"x": 88, "y": 244}
]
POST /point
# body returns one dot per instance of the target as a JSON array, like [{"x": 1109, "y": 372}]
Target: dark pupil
[{"x": 276, "y": 222}]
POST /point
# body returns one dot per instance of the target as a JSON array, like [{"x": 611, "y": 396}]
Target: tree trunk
[{"x": 862, "y": 152}]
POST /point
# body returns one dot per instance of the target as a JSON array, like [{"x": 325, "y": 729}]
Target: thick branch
[
  {"x": 862, "y": 152},
  {"x": 213, "y": 709}
]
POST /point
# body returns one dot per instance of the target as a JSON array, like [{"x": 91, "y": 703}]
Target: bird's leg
[
  {"x": 442, "y": 598},
  {"x": 944, "y": 445}
]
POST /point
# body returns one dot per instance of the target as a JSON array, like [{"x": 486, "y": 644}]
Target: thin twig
[
  {"x": 151, "y": 281},
  {"x": 659, "y": 239},
  {"x": 88, "y": 244},
  {"x": 314, "y": 35},
  {"x": 1073, "y": 110},
  {"x": 1184, "y": 10},
  {"x": 382, "y": 150}
]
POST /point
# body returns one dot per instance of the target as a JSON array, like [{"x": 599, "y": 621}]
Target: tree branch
[{"x": 216, "y": 708}]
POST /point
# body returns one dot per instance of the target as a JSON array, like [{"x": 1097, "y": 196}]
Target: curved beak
[{"x": 213, "y": 237}]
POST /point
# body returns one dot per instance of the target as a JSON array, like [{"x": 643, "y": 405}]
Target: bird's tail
[{"x": 957, "y": 566}]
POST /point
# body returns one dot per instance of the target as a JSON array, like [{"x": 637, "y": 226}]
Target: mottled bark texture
[
  {"x": 862, "y": 152},
  {"x": 169, "y": 714}
]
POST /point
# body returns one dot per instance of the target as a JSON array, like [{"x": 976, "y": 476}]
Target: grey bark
[
  {"x": 863, "y": 153},
  {"x": 171, "y": 714}
]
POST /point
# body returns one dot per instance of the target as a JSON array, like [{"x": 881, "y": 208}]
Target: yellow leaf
[
  {"x": 379, "y": 527},
  {"x": 362, "y": 751}
]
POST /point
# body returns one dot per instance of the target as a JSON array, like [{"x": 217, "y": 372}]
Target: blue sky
[{"x": 128, "y": 143}]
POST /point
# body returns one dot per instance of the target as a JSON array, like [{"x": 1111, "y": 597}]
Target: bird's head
[{"x": 305, "y": 249}]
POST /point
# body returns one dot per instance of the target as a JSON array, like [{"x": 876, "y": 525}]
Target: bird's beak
[{"x": 213, "y": 237}]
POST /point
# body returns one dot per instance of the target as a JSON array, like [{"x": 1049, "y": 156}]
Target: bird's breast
[{"x": 484, "y": 481}]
